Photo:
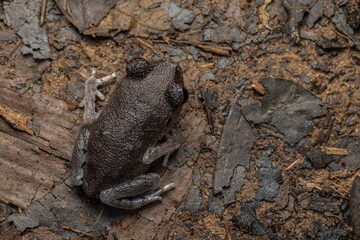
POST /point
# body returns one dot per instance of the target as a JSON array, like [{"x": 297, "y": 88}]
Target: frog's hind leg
[
  {"x": 79, "y": 157},
  {"x": 120, "y": 195}
]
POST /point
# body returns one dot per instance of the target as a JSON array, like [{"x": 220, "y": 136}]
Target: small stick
[
  {"x": 327, "y": 135},
  {"x": 340, "y": 34},
  {"x": 97, "y": 220},
  {"x": 228, "y": 236},
  {"x": 299, "y": 160},
  {"x": 228, "y": 203},
  {"x": 42, "y": 11},
  {"x": 81, "y": 232},
  {"x": 207, "y": 65},
  {"x": 78, "y": 237},
  {"x": 335, "y": 151},
  {"x": 145, "y": 43},
  {"x": 15, "y": 48},
  {"x": 214, "y": 49}
]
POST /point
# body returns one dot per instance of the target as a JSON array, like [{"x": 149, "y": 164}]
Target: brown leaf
[
  {"x": 85, "y": 13},
  {"x": 130, "y": 16}
]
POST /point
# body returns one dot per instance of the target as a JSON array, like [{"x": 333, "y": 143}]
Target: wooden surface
[{"x": 33, "y": 156}]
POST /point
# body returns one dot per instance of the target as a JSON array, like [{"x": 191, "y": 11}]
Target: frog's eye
[
  {"x": 176, "y": 95},
  {"x": 138, "y": 68}
]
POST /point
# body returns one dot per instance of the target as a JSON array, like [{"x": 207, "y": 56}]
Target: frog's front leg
[
  {"x": 90, "y": 92},
  {"x": 120, "y": 195},
  {"x": 79, "y": 157}
]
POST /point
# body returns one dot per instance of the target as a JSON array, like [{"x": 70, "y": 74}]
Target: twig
[
  {"x": 208, "y": 65},
  {"x": 15, "y": 48},
  {"x": 298, "y": 161},
  {"x": 335, "y": 151},
  {"x": 215, "y": 49},
  {"x": 78, "y": 237},
  {"x": 145, "y": 43},
  {"x": 228, "y": 236},
  {"x": 168, "y": 41},
  {"x": 81, "y": 232},
  {"x": 228, "y": 203},
  {"x": 340, "y": 34},
  {"x": 97, "y": 220},
  {"x": 42, "y": 11}
]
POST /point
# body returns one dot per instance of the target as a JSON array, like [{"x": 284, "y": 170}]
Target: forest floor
[{"x": 270, "y": 134}]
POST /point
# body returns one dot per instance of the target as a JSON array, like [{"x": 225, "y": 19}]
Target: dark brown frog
[{"x": 115, "y": 147}]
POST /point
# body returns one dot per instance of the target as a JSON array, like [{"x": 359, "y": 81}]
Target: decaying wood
[
  {"x": 15, "y": 119},
  {"x": 33, "y": 159},
  {"x": 27, "y": 173},
  {"x": 54, "y": 127}
]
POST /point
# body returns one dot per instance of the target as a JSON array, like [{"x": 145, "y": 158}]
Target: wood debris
[
  {"x": 17, "y": 120},
  {"x": 335, "y": 151}
]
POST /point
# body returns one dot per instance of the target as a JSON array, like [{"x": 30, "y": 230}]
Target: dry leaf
[
  {"x": 130, "y": 16},
  {"x": 85, "y": 13}
]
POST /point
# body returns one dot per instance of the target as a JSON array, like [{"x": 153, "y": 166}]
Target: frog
[{"x": 117, "y": 145}]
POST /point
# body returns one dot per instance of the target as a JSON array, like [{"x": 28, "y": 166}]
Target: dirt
[{"x": 309, "y": 200}]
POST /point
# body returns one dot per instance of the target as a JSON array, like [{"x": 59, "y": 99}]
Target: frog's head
[
  {"x": 169, "y": 74},
  {"x": 168, "y": 79}
]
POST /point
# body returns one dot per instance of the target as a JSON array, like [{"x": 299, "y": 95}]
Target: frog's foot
[
  {"x": 120, "y": 195},
  {"x": 98, "y": 82},
  {"x": 164, "y": 149},
  {"x": 90, "y": 92}
]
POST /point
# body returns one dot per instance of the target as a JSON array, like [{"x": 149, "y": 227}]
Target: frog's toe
[
  {"x": 166, "y": 188},
  {"x": 156, "y": 195},
  {"x": 152, "y": 198}
]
